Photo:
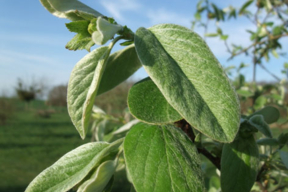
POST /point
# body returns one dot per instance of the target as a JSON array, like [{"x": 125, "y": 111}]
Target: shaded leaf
[
  {"x": 162, "y": 158},
  {"x": 72, "y": 167},
  {"x": 268, "y": 141},
  {"x": 121, "y": 65},
  {"x": 269, "y": 113},
  {"x": 70, "y": 9},
  {"x": 259, "y": 123},
  {"x": 100, "y": 177},
  {"x": 239, "y": 165},
  {"x": 147, "y": 104},
  {"x": 284, "y": 158},
  {"x": 190, "y": 78}
]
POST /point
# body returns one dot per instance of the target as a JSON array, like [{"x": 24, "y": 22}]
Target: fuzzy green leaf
[
  {"x": 72, "y": 167},
  {"x": 269, "y": 113},
  {"x": 190, "y": 78},
  {"x": 100, "y": 177},
  {"x": 120, "y": 66},
  {"x": 162, "y": 158},
  {"x": 79, "y": 42},
  {"x": 239, "y": 165},
  {"x": 152, "y": 106},
  {"x": 84, "y": 80},
  {"x": 259, "y": 123},
  {"x": 70, "y": 9}
]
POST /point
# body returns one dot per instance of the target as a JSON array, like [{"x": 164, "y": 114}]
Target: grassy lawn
[{"x": 29, "y": 144}]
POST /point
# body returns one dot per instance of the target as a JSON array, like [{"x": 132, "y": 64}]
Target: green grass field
[{"x": 29, "y": 144}]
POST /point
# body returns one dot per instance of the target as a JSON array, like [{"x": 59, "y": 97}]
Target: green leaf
[
  {"x": 245, "y": 6},
  {"x": 244, "y": 93},
  {"x": 70, "y": 9},
  {"x": 260, "y": 102},
  {"x": 259, "y": 123},
  {"x": 269, "y": 113},
  {"x": 83, "y": 83},
  {"x": 211, "y": 34},
  {"x": 283, "y": 139},
  {"x": 190, "y": 78},
  {"x": 239, "y": 165},
  {"x": 82, "y": 40},
  {"x": 274, "y": 53},
  {"x": 72, "y": 167},
  {"x": 120, "y": 66},
  {"x": 268, "y": 141},
  {"x": 224, "y": 37},
  {"x": 100, "y": 177},
  {"x": 162, "y": 158},
  {"x": 152, "y": 106},
  {"x": 284, "y": 158}
]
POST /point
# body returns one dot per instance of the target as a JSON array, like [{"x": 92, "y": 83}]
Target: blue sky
[{"x": 32, "y": 41}]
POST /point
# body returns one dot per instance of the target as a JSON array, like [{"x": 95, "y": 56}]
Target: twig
[
  {"x": 256, "y": 43},
  {"x": 263, "y": 67},
  {"x": 186, "y": 127}
]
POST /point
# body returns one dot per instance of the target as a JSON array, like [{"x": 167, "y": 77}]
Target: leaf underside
[
  {"x": 70, "y": 9},
  {"x": 121, "y": 65},
  {"x": 70, "y": 169},
  {"x": 189, "y": 76},
  {"x": 162, "y": 158}
]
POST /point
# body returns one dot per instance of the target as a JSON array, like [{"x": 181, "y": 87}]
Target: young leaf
[
  {"x": 269, "y": 113},
  {"x": 70, "y": 9},
  {"x": 72, "y": 167},
  {"x": 162, "y": 158},
  {"x": 152, "y": 106},
  {"x": 83, "y": 81},
  {"x": 190, "y": 78},
  {"x": 239, "y": 165},
  {"x": 120, "y": 66},
  {"x": 259, "y": 123},
  {"x": 82, "y": 40},
  {"x": 100, "y": 178}
]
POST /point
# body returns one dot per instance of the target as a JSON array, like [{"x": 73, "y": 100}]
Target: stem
[
  {"x": 187, "y": 128},
  {"x": 263, "y": 67},
  {"x": 256, "y": 43}
]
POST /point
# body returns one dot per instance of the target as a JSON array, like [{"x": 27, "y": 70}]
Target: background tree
[{"x": 269, "y": 18}]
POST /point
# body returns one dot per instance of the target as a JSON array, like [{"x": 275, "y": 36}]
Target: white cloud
[
  {"x": 115, "y": 8},
  {"x": 164, "y": 16}
]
